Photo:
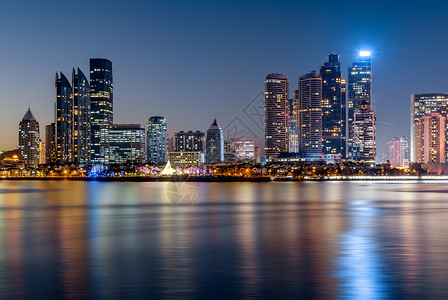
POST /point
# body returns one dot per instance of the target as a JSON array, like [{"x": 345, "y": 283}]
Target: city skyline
[{"x": 233, "y": 80}]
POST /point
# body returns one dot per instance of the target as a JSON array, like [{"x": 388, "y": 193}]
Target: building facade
[
  {"x": 122, "y": 144},
  {"x": 398, "y": 151},
  {"x": 214, "y": 144},
  {"x": 80, "y": 132},
  {"x": 333, "y": 107},
  {"x": 29, "y": 139},
  {"x": 50, "y": 144},
  {"x": 430, "y": 142},
  {"x": 189, "y": 141},
  {"x": 276, "y": 115},
  {"x": 156, "y": 140},
  {"x": 310, "y": 115},
  {"x": 293, "y": 123},
  {"x": 186, "y": 159},
  {"x": 365, "y": 132},
  {"x": 101, "y": 102},
  {"x": 244, "y": 149},
  {"x": 63, "y": 119}
]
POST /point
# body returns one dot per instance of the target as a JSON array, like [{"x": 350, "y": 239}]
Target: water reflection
[{"x": 314, "y": 240}]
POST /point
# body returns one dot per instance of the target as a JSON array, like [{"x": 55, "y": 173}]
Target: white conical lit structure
[{"x": 168, "y": 170}]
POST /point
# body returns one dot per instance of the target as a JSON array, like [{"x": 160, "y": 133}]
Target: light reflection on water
[{"x": 312, "y": 240}]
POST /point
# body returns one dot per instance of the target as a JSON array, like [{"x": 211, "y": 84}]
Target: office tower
[
  {"x": 365, "y": 132},
  {"x": 50, "y": 144},
  {"x": 189, "y": 141},
  {"x": 310, "y": 115},
  {"x": 398, "y": 151},
  {"x": 244, "y": 149},
  {"x": 170, "y": 144},
  {"x": 29, "y": 139},
  {"x": 101, "y": 102},
  {"x": 156, "y": 140},
  {"x": 422, "y": 105},
  {"x": 430, "y": 141},
  {"x": 276, "y": 115},
  {"x": 80, "y": 133},
  {"x": 229, "y": 150},
  {"x": 122, "y": 143},
  {"x": 333, "y": 107},
  {"x": 293, "y": 124},
  {"x": 359, "y": 87},
  {"x": 214, "y": 144},
  {"x": 63, "y": 116},
  {"x": 42, "y": 151},
  {"x": 186, "y": 159}
]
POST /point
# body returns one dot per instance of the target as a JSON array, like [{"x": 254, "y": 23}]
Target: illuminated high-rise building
[
  {"x": 276, "y": 115},
  {"x": 63, "y": 119},
  {"x": 101, "y": 102},
  {"x": 359, "y": 88},
  {"x": 333, "y": 107},
  {"x": 365, "y": 132},
  {"x": 244, "y": 149},
  {"x": 430, "y": 143},
  {"x": 80, "y": 132},
  {"x": 29, "y": 139},
  {"x": 122, "y": 143},
  {"x": 310, "y": 115},
  {"x": 398, "y": 151},
  {"x": 214, "y": 144},
  {"x": 50, "y": 144},
  {"x": 189, "y": 141},
  {"x": 293, "y": 124},
  {"x": 421, "y": 106},
  {"x": 156, "y": 141}
]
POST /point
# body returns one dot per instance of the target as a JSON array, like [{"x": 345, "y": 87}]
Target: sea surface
[{"x": 278, "y": 240}]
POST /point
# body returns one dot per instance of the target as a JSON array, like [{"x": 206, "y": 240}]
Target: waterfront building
[
  {"x": 244, "y": 149},
  {"x": 80, "y": 133},
  {"x": 101, "y": 102},
  {"x": 365, "y": 132},
  {"x": 214, "y": 144},
  {"x": 359, "y": 88},
  {"x": 189, "y": 141},
  {"x": 42, "y": 148},
  {"x": 310, "y": 115},
  {"x": 63, "y": 122},
  {"x": 50, "y": 144},
  {"x": 29, "y": 139},
  {"x": 156, "y": 140},
  {"x": 333, "y": 107},
  {"x": 257, "y": 151},
  {"x": 398, "y": 151},
  {"x": 421, "y": 106},
  {"x": 229, "y": 150},
  {"x": 276, "y": 115},
  {"x": 122, "y": 143},
  {"x": 293, "y": 123},
  {"x": 430, "y": 141},
  {"x": 186, "y": 159}
]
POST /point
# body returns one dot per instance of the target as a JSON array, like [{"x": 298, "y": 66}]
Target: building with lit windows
[
  {"x": 214, "y": 144},
  {"x": 29, "y": 139},
  {"x": 310, "y": 115},
  {"x": 421, "y": 106},
  {"x": 359, "y": 88},
  {"x": 80, "y": 133},
  {"x": 365, "y": 132},
  {"x": 333, "y": 107},
  {"x": 122, "y": 144},
  {"x": 186, "y": 159},
  {"x": 229, "y": 150},
  {"x": 63, "y": 122},
  {"x": 430, "y": 144},
  {"x": 398, "y": 151},
  {"x": 189, "y": 141},
  {"x": 156, "y": 140},
  {"x": 50, "y": 144},
  {"x": 244, "y": 149},
  {"x": 293, "y": 124},
  {"x": 276, "y": 115},
  {"x": 101, "y": 102}
]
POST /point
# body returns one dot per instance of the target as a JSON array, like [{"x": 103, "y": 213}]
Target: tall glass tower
[
  {"x": 101, "y": 102},
  {"x": 29, "y": 139},
  {"x": 214, "y": 144},
  {"x": 80, "y": 118},
  {"x": 276, "y": 103},
  {"x": 333, "y": 107},
  {"x": 156, "y": 140},
  {"x": 63, "y": 116}
]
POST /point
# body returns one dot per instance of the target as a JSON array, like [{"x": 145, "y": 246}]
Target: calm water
[{"x": 315, "y": 240}]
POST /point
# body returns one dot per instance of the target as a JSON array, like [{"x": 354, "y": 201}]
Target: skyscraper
[
  {"x": 29, "y": 139},
  {"x": 359, "y": 87},
  {"x": 244, "y": 149},
  {"x": 310, "y": 115},
  {"x": 276, "y": 115},
  {"x": 122, "y": 143},
  {"x": 156, "y": 140},
  {"x": 365, "y": 132},
  {"x": 63, "y": 116},
  {"x": 101, "y": 102},
  {"x": 430, "y": 143},
  {"x": 333, "y": 107},
  {"x": 189, "y": 141},
  {"x": 398, "y": 149},
  {"x": 421, "y": 106},
  {"x": 293, "y": 124},
  {"x": 50, "y": 144},
  {"x": 214, "y": 144},
  {"x": 80, "y": 138}
]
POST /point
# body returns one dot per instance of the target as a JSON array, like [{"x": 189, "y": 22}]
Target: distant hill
[{"x": 9, "y": 153}]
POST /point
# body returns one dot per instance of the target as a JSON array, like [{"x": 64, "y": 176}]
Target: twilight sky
[{"x": 192, "y": 60}]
